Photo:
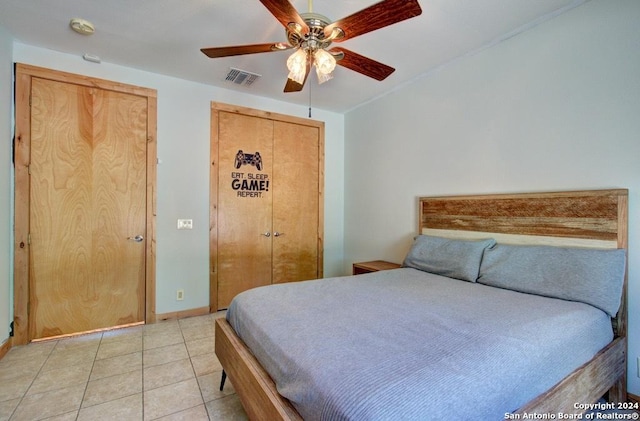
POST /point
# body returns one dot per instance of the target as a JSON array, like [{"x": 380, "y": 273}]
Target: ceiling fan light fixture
[
  {"x": 297, "y": 65},
  {"x": 324, "y": 62},
  {"x": 323, "y": 77}
]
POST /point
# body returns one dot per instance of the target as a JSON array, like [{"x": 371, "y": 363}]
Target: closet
[{"x": 266, "y": 200}]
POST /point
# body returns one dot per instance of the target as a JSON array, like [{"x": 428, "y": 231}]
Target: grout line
[
  {"x": 93, "y": 363},
  {"x": 207, "y": 323}
]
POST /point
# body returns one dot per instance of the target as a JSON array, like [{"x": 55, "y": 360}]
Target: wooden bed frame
[{"x": 594, "y": 218}]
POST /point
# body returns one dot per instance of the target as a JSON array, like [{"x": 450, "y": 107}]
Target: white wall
[
  {"x": 6, "y": 191},
  {"x": 554, "y": 108},
  {"x": 183, "y": 174}
]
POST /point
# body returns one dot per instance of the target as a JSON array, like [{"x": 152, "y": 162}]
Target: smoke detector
[{"x": 82, "y": 26}]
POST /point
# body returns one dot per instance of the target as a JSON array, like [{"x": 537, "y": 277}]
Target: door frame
[
  {"x": 216, "y": 108},
  {"x": 22, "y": 147}
]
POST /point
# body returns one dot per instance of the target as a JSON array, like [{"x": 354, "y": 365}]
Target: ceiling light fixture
[
  {"x": 311, "y": 50},
  {"x": 311, "y": 32},
  {"x": 82, "y": 26},
  {"x": 325, "y": 63},
  {"x": 297, "y": 65}
]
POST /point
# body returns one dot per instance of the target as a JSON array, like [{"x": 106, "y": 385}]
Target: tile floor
[{"x": 162, "y": 371}]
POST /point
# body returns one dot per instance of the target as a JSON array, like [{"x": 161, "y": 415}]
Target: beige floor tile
[
  {"x": 199, "y": 331},
  {"x": 205, "y": 363},
  {"x": 80, "y": 341},
  {"x": 111, "y": 369},
  {"x": 34, "y": 353},
  {"x": 228, "y": 408},
  {"x": 167, "y": 326},
  {"x": 121, "y": 347},
  {"x": 201, "y": 346},
  {"x": 210, "y": 386},
  {"x": 128, "y": 408},
  {"x": 14, "y": 387},
  {"x": 190, "y": 322},
  {"x": 48, "y": 404},
  {"x": 120, "y": 334},
  {"x": 198, "y": 413},
  {"x": 112, "y": 388},
  {"x": 61, "y": 378},
  {"x": 70, "y": 356},
  {"x": 171, "y": 399},
  {"x": 165, "y": 354},
  {"x": 116, "y": 365},
  {"x": 7, "y": 407},
  {"x": 160, "y": 339},
  {"x": 164, "y": 374},
  {"x": 19, "y": 368},
  {"x": 69, "y": 416}
]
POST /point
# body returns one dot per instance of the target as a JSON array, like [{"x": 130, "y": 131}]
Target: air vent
[{"x": 241, "y": 77}]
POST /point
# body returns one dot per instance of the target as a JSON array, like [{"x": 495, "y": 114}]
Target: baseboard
[
  {"x": 5, "y": 347},
  {"x": 633, "y": 398},
  {"x": 201, "y": 311}
]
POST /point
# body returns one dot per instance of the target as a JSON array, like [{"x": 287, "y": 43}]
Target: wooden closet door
[
  {"x": 244, "y": 204},
  {"x": 87, "y": 196},
  {"x": 296, "y": 177}
]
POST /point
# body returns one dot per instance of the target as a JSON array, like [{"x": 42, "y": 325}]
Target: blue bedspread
[{"x": 409, "y": 345}]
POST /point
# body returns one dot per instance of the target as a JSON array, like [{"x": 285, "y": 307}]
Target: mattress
[{"x": 409, "y": 345}]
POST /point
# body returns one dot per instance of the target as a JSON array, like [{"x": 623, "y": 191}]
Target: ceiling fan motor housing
[{"x": 315, "y": 39}]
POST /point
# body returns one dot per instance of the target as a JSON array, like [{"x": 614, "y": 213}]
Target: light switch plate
[{"x": 185, "y": 224}]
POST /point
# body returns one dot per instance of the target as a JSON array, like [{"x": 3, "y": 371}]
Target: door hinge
[
  {"x": 11, "y": 329},
  {"x": 29, "y": 239},
  {"x": 29, "y": 169}
]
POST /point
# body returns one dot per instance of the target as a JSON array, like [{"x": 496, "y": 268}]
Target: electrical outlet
[
  {"x": 180, "y": 295},
  {"x": 185, "y": 224}
]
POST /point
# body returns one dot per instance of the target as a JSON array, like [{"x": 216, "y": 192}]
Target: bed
[{"x": 585, "y": 327}]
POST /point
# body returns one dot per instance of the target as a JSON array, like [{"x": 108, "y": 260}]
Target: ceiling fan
[{"x": 310, "y": 35}]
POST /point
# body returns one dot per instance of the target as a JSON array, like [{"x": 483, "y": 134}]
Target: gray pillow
[
  {"x": 459, "y": 259},
  {"x": 591, "y": 276}
]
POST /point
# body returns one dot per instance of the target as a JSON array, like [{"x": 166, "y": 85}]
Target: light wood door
[
  {"x": 295, "y": 202},
  {"x": 244, "y": 211},
  {"x": 266, "y": 200},
  {"x": 87, "y": 197}
]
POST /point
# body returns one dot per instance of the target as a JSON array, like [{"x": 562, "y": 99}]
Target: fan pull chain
[{"x": 309, "y": 84}]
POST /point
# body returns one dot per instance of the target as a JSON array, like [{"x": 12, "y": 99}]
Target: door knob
[
  {"x": 267, "y": 234},
  {"x": 138, "y": 238},
  {"x": 278, "y": 234}
]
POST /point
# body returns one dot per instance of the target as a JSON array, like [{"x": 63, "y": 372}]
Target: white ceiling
[{"x": 165, "y": 36}]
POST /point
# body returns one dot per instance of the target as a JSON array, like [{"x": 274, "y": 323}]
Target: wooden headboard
[{"x": 591, "y": 218}]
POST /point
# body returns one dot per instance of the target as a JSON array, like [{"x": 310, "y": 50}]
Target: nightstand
[{"x": 373, "y": 266}]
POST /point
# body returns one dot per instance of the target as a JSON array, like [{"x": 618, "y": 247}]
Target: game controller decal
[
  {"x": 248, "y": 159},
  {"x": 249, "y": 184}
]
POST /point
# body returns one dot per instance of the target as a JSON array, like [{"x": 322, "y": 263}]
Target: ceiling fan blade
[
  {"x": 362, "y": 64},
  {"x": 293, "y": 86},
  {"x": 238, "y": 50},
  {"x": 384, "y": 13},
  {"x": 286, "y": 14}
]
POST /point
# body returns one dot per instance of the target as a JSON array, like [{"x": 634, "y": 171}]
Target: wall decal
[
  {"x": 249, "y": 184},
  {"x": 247, "y": 158}
]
